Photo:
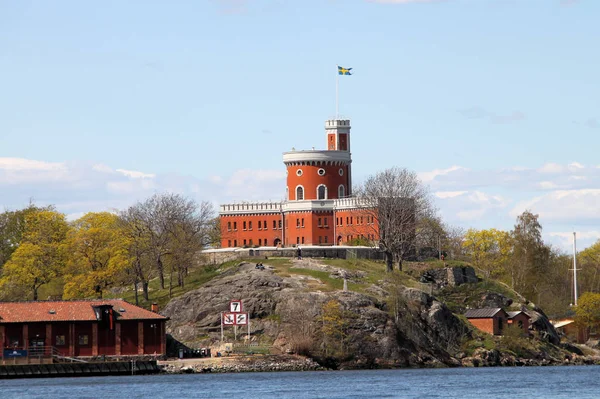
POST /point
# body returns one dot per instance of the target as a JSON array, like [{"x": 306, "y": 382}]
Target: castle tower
[
  {"x": 338, "y": 135},
  {"x": 321, "y": 174}
]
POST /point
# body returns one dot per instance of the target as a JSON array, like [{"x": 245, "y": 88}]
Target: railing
[{"x": 36, "y": 354}]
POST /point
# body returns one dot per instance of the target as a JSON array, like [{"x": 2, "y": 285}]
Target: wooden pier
[{"x": 79, "y": 369}]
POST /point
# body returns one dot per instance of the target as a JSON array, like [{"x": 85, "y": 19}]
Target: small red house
[
  {"x": 519, "y": 319},
  {"x": 490, "y": 320},
  {"x": 111, "y": 327}
]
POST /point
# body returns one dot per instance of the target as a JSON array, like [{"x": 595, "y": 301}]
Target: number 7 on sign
[{"x": 235, "y": 306}]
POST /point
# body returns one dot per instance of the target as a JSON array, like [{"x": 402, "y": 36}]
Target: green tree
[
  {"x": 489, "y": 250},
  {"x": 587, "y": 312},
  {"x": 12, "y": 226},
  {"x": 530, "y": 262},
  {"x": 97, "y": 255},
  {"x": 334, "y": 328},
  {"x": 40, "y": 256}
]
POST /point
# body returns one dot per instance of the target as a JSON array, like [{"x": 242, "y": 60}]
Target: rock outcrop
[{"x": 419, "y": 331}]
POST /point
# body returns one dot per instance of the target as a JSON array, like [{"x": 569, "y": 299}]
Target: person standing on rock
[{"x": 299, "y": 253}]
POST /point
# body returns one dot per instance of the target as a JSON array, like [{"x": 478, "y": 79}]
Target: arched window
[
  {"x": 341, "y": 191},
  {"x": 322, "y": 192},
  {"x": 299, "y": 193}
]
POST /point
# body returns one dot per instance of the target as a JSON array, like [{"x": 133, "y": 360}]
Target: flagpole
[{"x": 337, "y": 90}]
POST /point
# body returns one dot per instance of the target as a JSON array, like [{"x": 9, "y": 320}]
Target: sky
[{"x": 494, "y": 103}]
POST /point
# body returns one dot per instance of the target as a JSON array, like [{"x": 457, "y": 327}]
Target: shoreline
[{"x": 274, "y": 363}]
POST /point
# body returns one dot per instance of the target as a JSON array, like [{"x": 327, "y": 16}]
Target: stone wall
[{"x": 220, "y": 256}]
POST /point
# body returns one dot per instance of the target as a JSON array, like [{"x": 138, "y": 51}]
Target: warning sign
[
  {"x": 229, "y": 319},
  {"x": 241, "y": 319}
]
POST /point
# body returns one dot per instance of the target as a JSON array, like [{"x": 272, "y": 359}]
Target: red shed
[
  {"x": 520, "y": 319},
  {"x": 490, "y": 320},
  {"x": 111, "y": 327}
]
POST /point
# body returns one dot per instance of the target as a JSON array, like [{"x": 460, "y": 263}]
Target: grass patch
[{"x": 196, "y": 278}]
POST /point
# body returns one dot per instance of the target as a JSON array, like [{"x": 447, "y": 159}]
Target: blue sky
[{"x": 493, "y": 102}]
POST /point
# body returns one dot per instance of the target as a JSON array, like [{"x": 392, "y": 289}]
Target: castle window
[
  {"x": 244, "y": 225},
  {"x": 228, "y": 226},
  {"x": 299, "y": 172},
  {"x": 266, "y": 242},
  {"x": 302, "y": 240},
  {"x": 322, "y": 192},
  {"x": 325, "y": 239},
  {"x": 274, "y": 224},
  {"x": 259, "y": 242},
  {"x": 229, "y": 243},
  {"x": 299, "y": 193},
  {"x": 297, "y": 240},
  {"x": 264, "y": 224},
  {"x": 341, "y": 172},
  {"x": 250, "y": 225},
  {"x": 235, "y": 243},
  {"x": 297, "y": 223},
  {"x": 321, "y": 172},
  {"x": 302, "y": 222},
  {"x": 280, "y": 225},
  {"x": 234, "y": 226},
  {"x": 319, "y": 222},
  {"x": 245, "y": 243},
  {"x": 251, "y": 242},
  {"x": 341, "y": 191},
  {"x": 325, "y": 222},
  {"x": 259, "y": 225}
]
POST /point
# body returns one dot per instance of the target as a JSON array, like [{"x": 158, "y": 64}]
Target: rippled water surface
[{"x": 525, "y": 382}]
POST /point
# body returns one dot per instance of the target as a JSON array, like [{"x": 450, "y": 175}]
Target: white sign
[
  {"x": 235, "y": 306},
  {"x": 241, "y": 319},
  {"x": 229, "y": 319}
]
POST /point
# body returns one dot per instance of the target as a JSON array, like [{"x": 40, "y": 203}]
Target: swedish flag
[{"x": 344, "y": 71}]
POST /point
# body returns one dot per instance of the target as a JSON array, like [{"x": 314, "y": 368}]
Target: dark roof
[
  {"x": 48, "y": 311},
  {"x": 513, "y": 314},
  {"x": 482, "y": 313}
]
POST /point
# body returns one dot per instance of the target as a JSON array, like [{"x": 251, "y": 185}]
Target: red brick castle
[{"x": 319, "y": 208}]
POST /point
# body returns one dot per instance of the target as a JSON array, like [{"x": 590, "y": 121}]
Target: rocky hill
[{"x": 297, "y": 307}]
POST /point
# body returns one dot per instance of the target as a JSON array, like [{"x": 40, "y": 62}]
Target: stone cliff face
[{"x": 287, "y": 312}]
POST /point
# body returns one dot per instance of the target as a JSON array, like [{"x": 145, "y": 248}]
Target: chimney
[{"x": 155, "y": 307}]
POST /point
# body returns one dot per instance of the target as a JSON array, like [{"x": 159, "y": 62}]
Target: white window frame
[
  {"x": 341, "y": 191},
  {"x": 326, "y": 196},
  {"x": 296, "y": 192}
]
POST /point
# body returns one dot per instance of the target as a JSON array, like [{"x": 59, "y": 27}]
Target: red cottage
[
  {"x": 490, "y": 320},
  {"x": 111, "y": 327},
  {"x": 520, "y": 319}
]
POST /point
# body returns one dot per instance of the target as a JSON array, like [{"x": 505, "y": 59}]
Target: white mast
[{"x": 575, "y": 267}]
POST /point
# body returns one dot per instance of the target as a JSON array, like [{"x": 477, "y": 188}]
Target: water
[{"x": 525, "y": 382}]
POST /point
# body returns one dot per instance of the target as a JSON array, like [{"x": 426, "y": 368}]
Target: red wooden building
[
  {"x": 495, "y": 320},
  {"x": 490, "y": 320},
  {"x": 111, "y": 327}
]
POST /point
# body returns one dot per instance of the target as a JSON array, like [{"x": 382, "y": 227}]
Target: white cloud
[
  {"x": 564, "y": 239},
  {"x": 449, "y": 194},
  {"x": 551, "y": 168},
  {"x": 430, "y": 176},
  {"x": 547, "y": 185},
  {"x": 575, "y": 206},
  {"x": 22, "y": 164},
  {"x": 134, "y": 174},
  {"x": 466, "y": 206}
]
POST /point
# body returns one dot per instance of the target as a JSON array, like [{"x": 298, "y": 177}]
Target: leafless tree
[
  {"x": 398, "y": 203},
  {"x": 171, "y": 229}
]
